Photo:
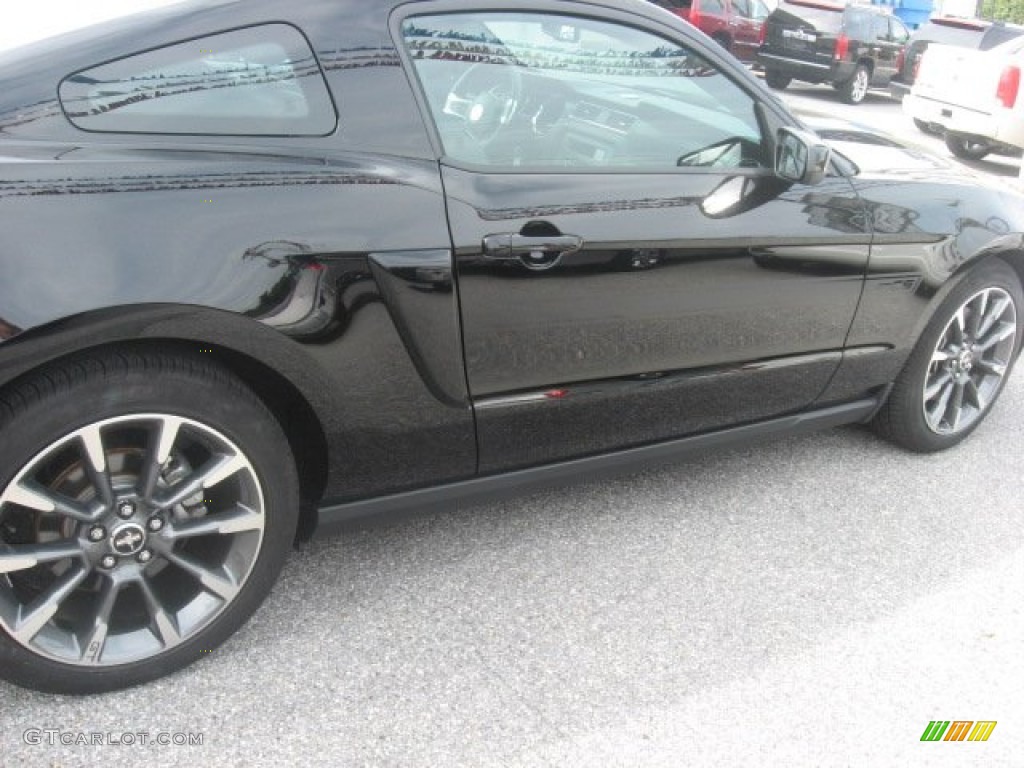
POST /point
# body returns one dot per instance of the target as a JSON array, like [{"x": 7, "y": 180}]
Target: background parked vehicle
[
  {"x": 974, "y": 34},
  {"x": 973, "y": 97},
  {"x": 852, "y": 47},
  {"x": 733, "y": 24}
]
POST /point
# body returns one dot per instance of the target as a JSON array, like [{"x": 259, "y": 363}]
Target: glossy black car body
[
  {"x": 367, "y": 289},
  {"x": 852, "y": 47}
]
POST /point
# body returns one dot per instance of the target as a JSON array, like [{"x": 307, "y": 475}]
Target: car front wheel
[
  {"x": 960, "y": 363},
  {"x": 147, "y": 503}
]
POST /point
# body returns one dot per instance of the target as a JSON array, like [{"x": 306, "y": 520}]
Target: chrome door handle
[
  {"x": 534, "y": 252},
  {"x": 509, "y": 245}
]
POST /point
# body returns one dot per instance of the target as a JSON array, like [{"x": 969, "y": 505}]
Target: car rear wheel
[
  {"x": 147, "y": 503},
  {"x": 776, "y": 80},
  {"x": 965, "y": 147},
  {"x": 960, "y": 363},
  {"x": 854, "y": 90}
]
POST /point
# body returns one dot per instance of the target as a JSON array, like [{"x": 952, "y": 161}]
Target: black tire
[
  {"x": 854, "y": 90},
  {"x": 923, "y": 412},
  {"x": 776, "y": 80},
  {"x": 84, "y": 433},
  {"x": 965, "y": 147}
]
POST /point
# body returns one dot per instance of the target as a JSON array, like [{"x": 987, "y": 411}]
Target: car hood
[{"x": 876, "y": 155}]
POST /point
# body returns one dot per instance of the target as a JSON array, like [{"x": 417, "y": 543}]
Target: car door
[
  {"x": 712, "y": 18},
  {"x": 745, "y": 22},
  {"x": 629, "y": 268},
  {"x": 884, "y": 52},
  {"x": 895, "y": 42}
]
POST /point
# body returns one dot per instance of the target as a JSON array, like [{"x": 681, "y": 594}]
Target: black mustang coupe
[{"x": 267, "y": 267}]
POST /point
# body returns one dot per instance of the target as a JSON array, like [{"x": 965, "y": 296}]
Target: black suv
[{"x": 853, "y": 47}]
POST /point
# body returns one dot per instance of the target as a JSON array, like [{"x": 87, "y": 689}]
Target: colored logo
[{"x": 958, "y": 730}]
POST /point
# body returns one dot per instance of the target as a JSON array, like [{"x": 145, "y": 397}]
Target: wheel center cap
[
  {"x": 128, "y": 539},
  {"x": 966, "y": 359}
]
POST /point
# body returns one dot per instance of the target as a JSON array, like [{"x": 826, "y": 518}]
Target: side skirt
[{"x": 500, "y": 486}]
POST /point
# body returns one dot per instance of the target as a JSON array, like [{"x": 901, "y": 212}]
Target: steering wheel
[{"x": 485, "y": 97}]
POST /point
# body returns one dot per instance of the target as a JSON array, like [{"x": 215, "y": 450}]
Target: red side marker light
[
  {"x": 842, "y": 47},
  {"x": 1009, "y": 85}
]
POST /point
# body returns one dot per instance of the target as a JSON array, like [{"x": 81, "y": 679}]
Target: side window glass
[
  {"x": 880, "y": 28},
  {"x": 258, "y": 81},
  {"x": 540, "y": 91},
  {"x": 712, "y": 6},
  {"x": 857, "y": 25},
  {"x": 742, "y": 7},
  {"x": 899, "y": 32}
]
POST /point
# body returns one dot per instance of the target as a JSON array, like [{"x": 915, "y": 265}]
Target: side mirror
[{"x": 800, "y": 156}]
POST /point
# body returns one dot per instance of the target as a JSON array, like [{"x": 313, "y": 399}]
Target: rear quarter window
[
  {"x": 860, "y": 25},
  {"x": 822, "y": 17},
  {"x": 257, "y": 81},
  {"x": 999, "y": 34}
]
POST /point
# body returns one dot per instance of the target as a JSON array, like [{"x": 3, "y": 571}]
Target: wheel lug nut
[
  {"x": 108, "y": 562},
  {"x": 125, "y": 509},
  {"x": 97, "y": 533},
  {"x": 144, "y": 556},
  {"x": 155, "y": 524}
]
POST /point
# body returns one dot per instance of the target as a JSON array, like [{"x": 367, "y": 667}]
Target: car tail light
[
  {"x": 762, "y": 35},
  {"x": 1009, "y": 84},
  {"x": 901, "y": 59},
  {"x": 918, "y": 61},
  {"x": 694, "y": 15},
  {"x": 842, "y": 47}
]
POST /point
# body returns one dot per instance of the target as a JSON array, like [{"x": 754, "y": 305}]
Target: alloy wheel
[
  {"x": 859, "y": 86},
  {"x": 126, "y": 538},
  {"x": 969, "y": 361}
]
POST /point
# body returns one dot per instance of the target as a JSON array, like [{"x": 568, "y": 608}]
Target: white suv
[{"x": 973, "y": 97}]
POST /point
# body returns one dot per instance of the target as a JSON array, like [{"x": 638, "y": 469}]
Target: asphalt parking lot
[{"x": 813, "y": 601}]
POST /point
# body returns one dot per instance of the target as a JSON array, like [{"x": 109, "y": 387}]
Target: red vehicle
[{"x": 733, "y": 24}]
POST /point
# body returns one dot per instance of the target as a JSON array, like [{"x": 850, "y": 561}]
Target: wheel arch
[
  {"x": 900, "y": 417},
  {"x": 1012, "y": 256},
  {"x": 1015, "y": 258},
  {"x": 188, "y": 331},
  {"x": 297, "y": 417}
]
